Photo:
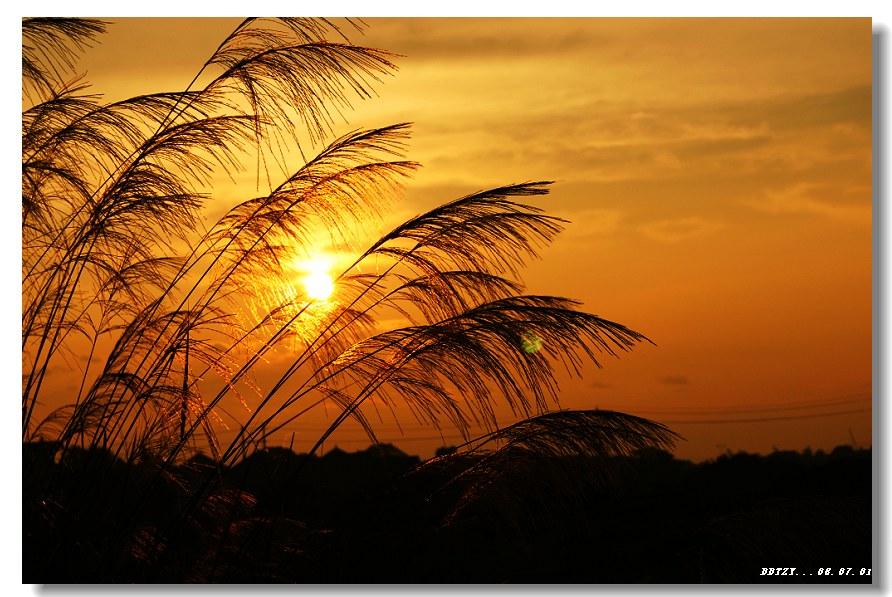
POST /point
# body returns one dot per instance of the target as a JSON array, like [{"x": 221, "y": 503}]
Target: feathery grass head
[
  {"x": 543, "y": 473},
  {"x": 49, "y": 49},
  {"x": 175, "y": 320}
]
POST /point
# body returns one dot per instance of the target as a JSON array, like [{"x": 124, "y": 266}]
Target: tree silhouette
[{"x": 119, "y": 266}]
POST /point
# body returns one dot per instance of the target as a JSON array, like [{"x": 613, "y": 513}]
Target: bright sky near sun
[{"x": 716, "y": 174}]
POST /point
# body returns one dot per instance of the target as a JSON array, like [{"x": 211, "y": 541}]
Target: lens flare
[{"x": 531, "y": 343}]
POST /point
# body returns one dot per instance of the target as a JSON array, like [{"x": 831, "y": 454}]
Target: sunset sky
[{"x": 716, "y": 174}]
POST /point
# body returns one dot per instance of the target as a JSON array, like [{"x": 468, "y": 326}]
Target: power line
[
  {"x": 444, "y": 437},
  {"x": 765, "y": 419},
  {"x": 384, "y": 429},
  {"x": 804, "y": 405}
]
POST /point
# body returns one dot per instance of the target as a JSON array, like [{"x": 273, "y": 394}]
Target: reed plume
[{"x": 171, "y": 316}]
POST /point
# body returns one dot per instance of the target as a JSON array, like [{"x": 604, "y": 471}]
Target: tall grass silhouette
[{"x": 171, "y": 315}]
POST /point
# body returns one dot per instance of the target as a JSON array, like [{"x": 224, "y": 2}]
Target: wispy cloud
[
  {"x": 591, "y": 222},
  {"x": 600, "y": 385},
  {"x": 680, "y": 229},
  {"x": 848, "y": 204},
  {"x": 675, "y": 380}
]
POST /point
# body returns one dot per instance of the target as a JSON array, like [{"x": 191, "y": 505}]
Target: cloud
[
  {"x": 789, "y": 111},
  {"x": 469, "y": 39},
  {"x": 679, "y": 229},
  {"x": 601, "y": 101},
  {"x": 591, "y": 222},
  {"x": 849, "y": 204},
  {"x": 675, "y": 380},
  {"x": 597, "y": 136},
  {"x": 600, "y": 385}
]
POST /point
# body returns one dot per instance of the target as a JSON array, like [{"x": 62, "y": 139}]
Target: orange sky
[{"x": 717, "y": 174}]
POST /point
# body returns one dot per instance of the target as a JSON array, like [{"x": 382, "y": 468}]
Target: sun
[
  {"x": 317, "y": 280},
  {"x": 319, "y": 285}
]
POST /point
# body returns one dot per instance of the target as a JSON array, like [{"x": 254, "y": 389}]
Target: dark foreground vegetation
[
  {"x": 169, "y": 312},
  {"x": 382, "y": 516}
]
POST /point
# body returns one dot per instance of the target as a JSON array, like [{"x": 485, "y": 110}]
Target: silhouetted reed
[{"x": 170, "y": 316}]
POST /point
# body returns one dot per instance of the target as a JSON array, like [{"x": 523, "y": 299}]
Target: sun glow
[
  {"x": 317, "y": 280},
  {"x": 319, "y": 285}
]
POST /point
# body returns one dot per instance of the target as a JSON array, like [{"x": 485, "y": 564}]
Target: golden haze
[{"x": 717, "y": 174}]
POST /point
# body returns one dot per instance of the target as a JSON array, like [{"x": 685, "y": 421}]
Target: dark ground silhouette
[{"x": 380, "y": 516}]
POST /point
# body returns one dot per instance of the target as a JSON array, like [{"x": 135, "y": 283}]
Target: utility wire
[
  {"x": 765, "y": 419},
  {"x": 787, "y": 406},
  {"x": 450, "y": 437},
  {"x": 804, "y": 405},
  {"x": 385, "y": 429}
]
